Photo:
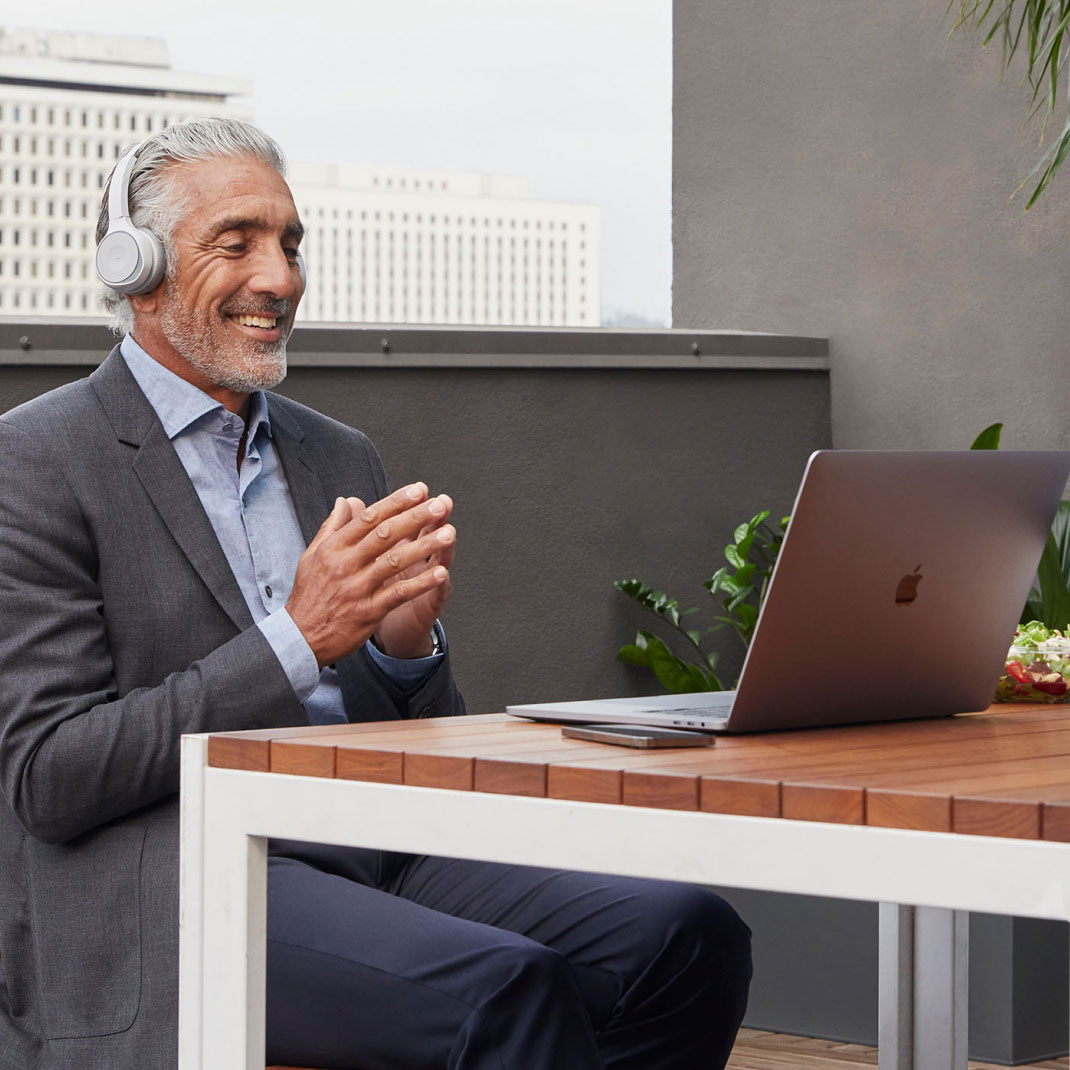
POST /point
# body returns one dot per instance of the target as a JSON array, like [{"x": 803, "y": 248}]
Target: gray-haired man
[{"x": 181, "y": 551}]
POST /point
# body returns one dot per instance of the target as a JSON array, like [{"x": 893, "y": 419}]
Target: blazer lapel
[
  {"x": 306, "y": 486},
  {"x": 167, "y": 484}
]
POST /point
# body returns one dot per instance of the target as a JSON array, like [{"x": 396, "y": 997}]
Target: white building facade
[
  {"x": 443, "y": 247},
  {"x": 381, "y": 245},
  {"x": 69, "y": 105}
]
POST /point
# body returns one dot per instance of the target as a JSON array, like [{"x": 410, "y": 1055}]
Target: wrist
[{"x": 426, "y": 647}]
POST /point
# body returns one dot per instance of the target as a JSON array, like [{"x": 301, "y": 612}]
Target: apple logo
[{"x": 907, "y": 589}]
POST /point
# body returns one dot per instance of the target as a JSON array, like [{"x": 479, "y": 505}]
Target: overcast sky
[{"x": 573, "y": 94}]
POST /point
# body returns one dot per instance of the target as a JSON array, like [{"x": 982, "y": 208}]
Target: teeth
[{"x": 265, "y": 322}]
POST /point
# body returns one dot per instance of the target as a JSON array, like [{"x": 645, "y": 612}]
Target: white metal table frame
[{"x": 924, "y": 881}]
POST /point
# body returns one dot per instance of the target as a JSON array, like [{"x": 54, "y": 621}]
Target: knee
[
  {"x": 705, "y": 929},
  {"x": 529, "y": 967}
]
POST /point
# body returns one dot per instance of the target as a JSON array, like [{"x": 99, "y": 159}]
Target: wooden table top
[{"x": 1003, "y": 772}]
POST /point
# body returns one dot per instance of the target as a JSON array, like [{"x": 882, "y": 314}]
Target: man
[{"x": 181, "y": 551}]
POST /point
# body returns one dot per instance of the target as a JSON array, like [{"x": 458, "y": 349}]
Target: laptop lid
[{"x": 895, "y": 594}]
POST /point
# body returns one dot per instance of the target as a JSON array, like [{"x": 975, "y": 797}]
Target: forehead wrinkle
[{"x": 243, "y": 222}]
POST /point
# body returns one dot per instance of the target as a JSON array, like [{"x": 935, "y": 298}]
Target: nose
[{"x": 275, "y": 273}]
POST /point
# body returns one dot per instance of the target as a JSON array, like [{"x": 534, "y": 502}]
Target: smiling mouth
[{"x": 266, "y": 323}]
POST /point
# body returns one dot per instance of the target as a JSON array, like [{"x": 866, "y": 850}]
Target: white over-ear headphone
[{"x": 131, "y": 259}]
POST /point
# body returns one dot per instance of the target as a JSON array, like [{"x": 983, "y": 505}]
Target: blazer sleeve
[{"x": 74, "y": 753}]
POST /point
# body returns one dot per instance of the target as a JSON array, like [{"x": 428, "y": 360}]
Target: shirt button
[
  {"x": 267, "y": 591},
  {"x": 228, "y": 427}
]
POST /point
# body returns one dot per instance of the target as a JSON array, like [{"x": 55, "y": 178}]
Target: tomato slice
[{"x": 1018, "y": 671}]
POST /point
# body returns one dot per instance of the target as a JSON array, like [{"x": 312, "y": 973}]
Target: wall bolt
[
  {"x": 385, "y": 345},
  {"x": 25, "y": 342},
  {"x": 696, "y": 349}
]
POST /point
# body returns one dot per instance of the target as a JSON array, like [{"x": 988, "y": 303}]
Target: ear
[{"x": 146, "y": 304}]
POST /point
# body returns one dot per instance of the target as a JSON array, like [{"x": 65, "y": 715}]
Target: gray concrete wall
[{"x": 841, "y": 168}]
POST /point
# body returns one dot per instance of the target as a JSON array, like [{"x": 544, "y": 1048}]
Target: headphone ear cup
[{"x": 130, "y": 259}]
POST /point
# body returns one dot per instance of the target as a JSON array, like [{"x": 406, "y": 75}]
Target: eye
[
  {"x": 290, "y": 251},
  {"x": 236, "y": 248}
]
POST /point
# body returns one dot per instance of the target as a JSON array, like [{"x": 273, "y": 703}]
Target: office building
[{"x": 407, "y": 246}]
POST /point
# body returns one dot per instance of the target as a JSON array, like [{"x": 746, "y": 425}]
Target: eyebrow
[{"x": 294, "y": 231}]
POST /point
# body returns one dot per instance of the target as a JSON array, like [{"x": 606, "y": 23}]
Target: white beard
[{"x": 239, "y": 364}]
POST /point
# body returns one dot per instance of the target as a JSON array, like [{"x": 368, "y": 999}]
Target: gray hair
[{"x": 156, "y": 204}]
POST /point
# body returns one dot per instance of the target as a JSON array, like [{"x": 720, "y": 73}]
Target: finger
[
  {"x": 439, "y": 520},
  {"x": 403, "y": 555},
  {"x": 402, "y": 500},
  {"x": 397, "y": 594},
  {"x": 399, "y": 528},
  {"x": 337, "y": 518}
]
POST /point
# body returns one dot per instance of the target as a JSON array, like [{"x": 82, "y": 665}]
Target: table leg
[
  {"x": 923, "y": 988},
  {"x": 235, "y": 938},
  {"x": 191, "y": 904}
]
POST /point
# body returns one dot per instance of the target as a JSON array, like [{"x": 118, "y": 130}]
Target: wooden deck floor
[{"x": 756, "y": 1050}]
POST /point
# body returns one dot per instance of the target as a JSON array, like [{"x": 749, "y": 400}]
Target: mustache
[{"x": 279, "y": 307}]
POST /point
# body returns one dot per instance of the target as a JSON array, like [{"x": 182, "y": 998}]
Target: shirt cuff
[
  {"x": 407, "y": 672},
  {"x": 294, "y": 654}
]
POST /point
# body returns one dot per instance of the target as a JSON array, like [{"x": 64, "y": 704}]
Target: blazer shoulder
[
  {"x": 67, "y": 404},
  {"x": 308, "y": 421}
]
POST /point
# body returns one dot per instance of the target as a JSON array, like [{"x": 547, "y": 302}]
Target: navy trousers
[{"x": 381, "y": 961}]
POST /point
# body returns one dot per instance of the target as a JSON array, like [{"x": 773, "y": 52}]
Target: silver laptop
[{"x": 895, "y": 595}]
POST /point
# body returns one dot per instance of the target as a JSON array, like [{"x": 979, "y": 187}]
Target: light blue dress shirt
[{"x": 252, "y": 514}]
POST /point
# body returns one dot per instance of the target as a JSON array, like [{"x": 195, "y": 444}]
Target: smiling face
[{"x": 222, "y": 316}]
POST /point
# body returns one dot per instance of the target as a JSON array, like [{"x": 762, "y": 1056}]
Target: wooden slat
[
  {"x": 664, "y": 789},
  {"x": 745, "y": 796},
  {"x": 890, "y": 808},
  {"x": 301, "y": 759},
  {"x": 996, "y": 817},
  {"x": 382, "y": 767},
  {"x": 228, "y": 752},
  {"x": 583, "y": 784},
  {"x": 505, "y": 777},
  {"x": 439, "y": 771},
  {"x": 823, "y": 802}
]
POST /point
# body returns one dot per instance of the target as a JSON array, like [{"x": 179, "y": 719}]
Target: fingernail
[
  {"x": 416, "y": 491},
  {"x": 436, "y": 507},
  {"x": 338, "y": 502},
  {"x": 440, "y": 574},
  {"x": 445, "y": 535}
]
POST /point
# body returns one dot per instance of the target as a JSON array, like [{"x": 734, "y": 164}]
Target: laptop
[{"x": 895, "y": 595}]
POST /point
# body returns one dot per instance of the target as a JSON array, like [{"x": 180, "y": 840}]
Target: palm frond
[{"x": 1039, "y": 30}]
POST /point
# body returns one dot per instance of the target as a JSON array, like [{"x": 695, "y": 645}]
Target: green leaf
[
  {"x": 676, "y": 676},
  {"x": 1054, "y": 595},
  {"x": 988, "y": 439},
  {"x": 741, "y": 598},
  {"x": 747, "y": 614},
  {"x": 1033, "y": 609},
  {"x": 716, "y": 580},
  {"x": 1060, "y": 530},
  {"x": 633, "y": 654},
  {"x": 733, "y": 556}
]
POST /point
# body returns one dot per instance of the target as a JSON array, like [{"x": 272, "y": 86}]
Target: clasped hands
[{"x": 379, "y": 570}]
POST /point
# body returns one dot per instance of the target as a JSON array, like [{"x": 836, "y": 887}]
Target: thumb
[{"x": 338, "y": 517}]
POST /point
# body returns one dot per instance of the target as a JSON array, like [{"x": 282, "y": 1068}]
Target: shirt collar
[{"x": 177, "y": 402}]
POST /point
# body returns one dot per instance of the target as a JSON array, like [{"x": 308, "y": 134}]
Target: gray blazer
[{"x": 122, "y": 627}]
